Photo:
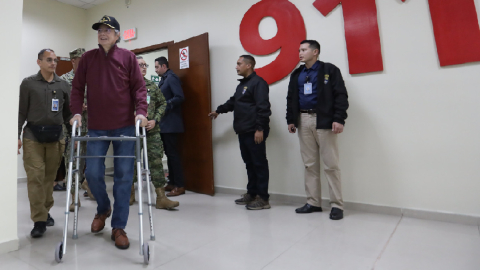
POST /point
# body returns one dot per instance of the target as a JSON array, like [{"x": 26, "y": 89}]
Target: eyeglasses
[
  {"x": 143, "y": 65},
  {"x": 107, "y": 31}
]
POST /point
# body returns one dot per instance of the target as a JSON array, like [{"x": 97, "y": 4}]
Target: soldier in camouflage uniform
[
  {"x": 156, "y": 109},
  {"x": 75, "y": 56}
]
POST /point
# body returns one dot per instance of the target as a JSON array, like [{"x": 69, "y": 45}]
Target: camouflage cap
[{"x": 77, "y": 53}]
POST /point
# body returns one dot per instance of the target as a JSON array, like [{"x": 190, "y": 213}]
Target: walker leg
[
  {"x": 149, "y": 193},
  {"x": 140, "y": 200}
]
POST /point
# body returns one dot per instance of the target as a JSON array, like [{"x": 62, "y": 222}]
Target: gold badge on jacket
[{"x": 327, "y": 77}]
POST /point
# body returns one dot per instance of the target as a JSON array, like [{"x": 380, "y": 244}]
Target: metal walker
[{"x": 60, "y": 249}]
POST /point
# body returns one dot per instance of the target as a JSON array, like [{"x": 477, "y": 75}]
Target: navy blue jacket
[{"x": 172, "y": 121}]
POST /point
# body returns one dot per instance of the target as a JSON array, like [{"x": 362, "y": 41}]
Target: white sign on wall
[{"x": 184, "y": 58}]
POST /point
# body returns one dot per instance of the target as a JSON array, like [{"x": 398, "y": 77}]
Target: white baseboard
[
  {"x": 372, "y": 208},
  {"x": 9, "y": 246}
]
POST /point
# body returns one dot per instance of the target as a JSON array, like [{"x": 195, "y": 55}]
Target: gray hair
[
  {"x": 139, "y": 57},
  {"x": 119, "y": 36}
]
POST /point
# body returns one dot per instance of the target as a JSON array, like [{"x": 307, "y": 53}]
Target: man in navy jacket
[{"x": 171, "y": 125}]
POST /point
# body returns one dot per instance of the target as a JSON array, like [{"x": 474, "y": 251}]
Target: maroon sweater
[{"x": 116, "y": 88}]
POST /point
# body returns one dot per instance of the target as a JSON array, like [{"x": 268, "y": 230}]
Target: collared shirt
[
  {"x": 116, "y": 88},
  {"x": 35, "y": 104},
  {"x": 308, "y": 102}
]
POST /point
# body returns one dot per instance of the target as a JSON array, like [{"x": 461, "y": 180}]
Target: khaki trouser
[
  {"x": 316, "y": 144},
  {"x": 41, "y": 162}
]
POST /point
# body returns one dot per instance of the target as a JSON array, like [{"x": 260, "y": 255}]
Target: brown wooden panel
[
  {"x": 196, "y": 142},
  {"x": 63, "y": 66}
]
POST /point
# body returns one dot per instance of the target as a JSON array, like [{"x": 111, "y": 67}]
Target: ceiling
[{"x": 85, "y": 4}]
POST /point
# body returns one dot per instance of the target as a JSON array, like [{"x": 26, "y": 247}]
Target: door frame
[{"x": 153, "y": 48}]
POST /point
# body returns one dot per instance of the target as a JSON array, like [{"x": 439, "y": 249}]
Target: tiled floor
[{"x": 214, "y": 233}]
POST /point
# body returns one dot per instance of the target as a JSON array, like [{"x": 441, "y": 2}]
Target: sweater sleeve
[
  {"x": 137, "y": 87},
  {"x": 78, "y": 87}
]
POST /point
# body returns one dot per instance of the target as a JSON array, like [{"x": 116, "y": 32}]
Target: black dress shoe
[
  {"x": 59, "y": 187},
  {"x": 307, "y": 208},
  {"x": 336, "y": 214},
  {"x": 50, "y": 221},
  {"x": 39, "y": 229}
]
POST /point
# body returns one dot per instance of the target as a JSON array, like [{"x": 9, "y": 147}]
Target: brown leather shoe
[
  {"x": 120, "y": 238},
  {"x": 176, "y": 191},
  {"x": 169, "y": 187},
  {"x": 98, "y": 222}
]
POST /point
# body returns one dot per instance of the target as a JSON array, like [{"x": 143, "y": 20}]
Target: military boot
[
  {"x": 132, "y": 195},
  {"x": 71, "y": 208},
  {"x": 163, "y": 202}
]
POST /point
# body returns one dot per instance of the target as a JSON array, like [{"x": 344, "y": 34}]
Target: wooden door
[
  {"x": 64, "y": 65},
  {"x": 196, "y": 143}
]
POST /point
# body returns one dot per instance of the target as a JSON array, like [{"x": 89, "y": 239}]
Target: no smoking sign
[{"x": 184, "y": 58}]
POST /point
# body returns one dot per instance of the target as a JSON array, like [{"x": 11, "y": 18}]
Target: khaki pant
[
  {"x": 41, "y": 162},
  {"x": 316, "y": 144}
]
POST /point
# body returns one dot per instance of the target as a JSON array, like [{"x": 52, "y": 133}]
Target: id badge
[
  {"x": 148, "y": 99},
  {"x": 307, "y": 89},
  {"x": 54, "y": 105}
]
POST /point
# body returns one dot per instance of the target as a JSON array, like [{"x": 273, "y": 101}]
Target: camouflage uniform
[
  {"x": 156, "y": 109},
  {"x": 67, "y": 129}
]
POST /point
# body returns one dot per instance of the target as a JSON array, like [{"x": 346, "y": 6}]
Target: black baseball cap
[{"x": 108, "y": 21}]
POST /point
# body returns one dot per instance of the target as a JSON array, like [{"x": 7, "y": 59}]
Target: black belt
[{"x": 308, "y": 111}]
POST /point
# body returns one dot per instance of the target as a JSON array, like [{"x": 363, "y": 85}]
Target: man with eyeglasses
[
  {"x": 116, "y": 91},
  {"x": 75, "y": 57},
  {"x": 156, "y": 109},
  {"x": 317, "y": 104},
  {"x": 44, "y": 104}
]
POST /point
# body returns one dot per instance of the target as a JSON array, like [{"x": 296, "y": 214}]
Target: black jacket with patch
[
  {"x": 250, "y": 105},
  {"x": 332, "y": 97}
]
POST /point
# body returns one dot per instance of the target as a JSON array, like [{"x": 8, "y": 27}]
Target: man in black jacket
[
  {"x": 251, "y": 112},
  {"x": 317, "y": 104}
]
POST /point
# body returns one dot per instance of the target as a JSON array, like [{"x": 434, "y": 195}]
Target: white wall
[
  {"x": 411, "y": 137},
  {"x": 10, "y": 15},
  {"x": 48, "y": 24},
  {"x": 150, "y": 60},
  {"x": 409, "y": 141}
]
